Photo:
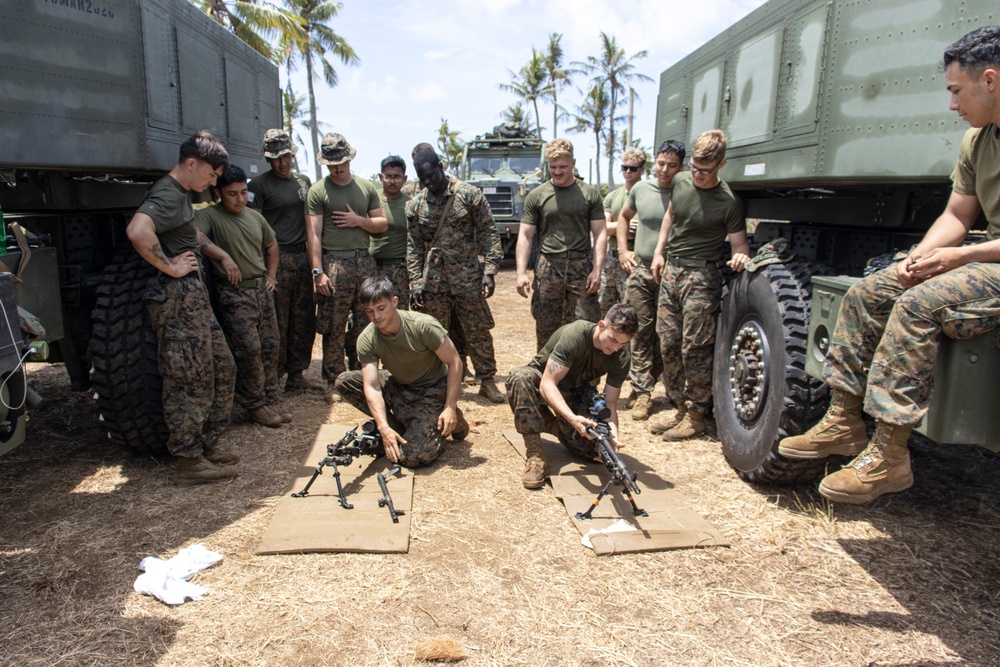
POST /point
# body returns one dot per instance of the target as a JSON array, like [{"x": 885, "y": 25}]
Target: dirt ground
[{"x": 909, "y": 580}]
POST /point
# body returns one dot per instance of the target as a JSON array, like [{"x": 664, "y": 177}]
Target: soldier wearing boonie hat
[
  {"x": 280, "y": 195},
  {"x": 342, "y": 211}
]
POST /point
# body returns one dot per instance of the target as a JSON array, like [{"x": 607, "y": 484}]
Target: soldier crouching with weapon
[{"x": 560, "y": 379}]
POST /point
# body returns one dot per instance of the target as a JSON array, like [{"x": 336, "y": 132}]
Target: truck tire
[
  {"x": 123, "y": 351},
  {"x": 760, "y": 387}
]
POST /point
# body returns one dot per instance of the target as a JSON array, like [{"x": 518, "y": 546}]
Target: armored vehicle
[
  {"x": 506, "y": 164},
  {"x": 841, "y": 143},
  {"x": 95, "y": 98}
]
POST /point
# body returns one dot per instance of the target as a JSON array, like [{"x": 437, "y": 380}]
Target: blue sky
[{"x": 426, "y": 59}]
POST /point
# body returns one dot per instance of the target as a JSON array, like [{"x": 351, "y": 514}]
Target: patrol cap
[
  {"x": 278, "y": 143},
  {"x": 335, "y": 150}
]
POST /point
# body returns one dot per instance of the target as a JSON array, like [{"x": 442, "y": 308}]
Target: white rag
[
  {"x": 167, "y": 580},
  {"x": 619, "y": 526}
]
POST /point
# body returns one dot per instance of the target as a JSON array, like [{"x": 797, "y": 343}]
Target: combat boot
[
  {"x": 462, "y": 428},
  {"x": 219, "y": 457},
  {"x": 286, "y": 417},
  {"x": 642, "y": 407},
  {"x": 297, "y": 383},
  {"x": 265, "y": 416},
  {"x": 331, "y": 394},
  {"x": 840, "y": 431},
  {"x": 201, "y": 471},
  {"x": 489, "y": 389},
  {"x": 535, "y": 467},
  {"x": 664, "y": 424},
  {"x": 883, "y": 467},
  {"x": 690, "y": 426},
  {"x": 629, "y": 402},
  {"x": 467, "y": 377}
]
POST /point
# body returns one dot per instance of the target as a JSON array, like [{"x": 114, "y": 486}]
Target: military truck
[
  {"x": 841, "y": 143},
  {"x": 506, "y": 164},
  {"x": 95, "y": 98}
]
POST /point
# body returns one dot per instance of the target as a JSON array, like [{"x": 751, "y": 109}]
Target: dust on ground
[{"x": 909, "y": 580}]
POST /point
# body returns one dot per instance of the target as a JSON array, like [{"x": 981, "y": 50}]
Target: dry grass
[{"x": 910, "y": 580}]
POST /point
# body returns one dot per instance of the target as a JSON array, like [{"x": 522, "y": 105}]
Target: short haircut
[
  {"x": 422, "y": 146},
  {"x": 205, "y": 147},
  {"x": 393, "y": 161},
  {"x": 232, "y": 174},
  {"x": 635, "y": 156},
  {"x": 673, "y": 146},
  {"x": 622, "y": 319},
  {"x": 426, "y": 157},
  {"x": 975, "y": 51},
  {"x": 709, "y": 146},
  {"x": 558, "y": 148},
  {"x": 374, "y": 289}
]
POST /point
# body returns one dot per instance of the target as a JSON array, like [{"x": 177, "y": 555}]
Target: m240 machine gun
[
  {"x": 343, "y": 453},
  {"x": 598, "y": 410}
]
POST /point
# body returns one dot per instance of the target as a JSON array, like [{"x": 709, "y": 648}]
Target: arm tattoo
[
  {"x": 553, "y": 367},
  {"x": 157, "y": 253}
]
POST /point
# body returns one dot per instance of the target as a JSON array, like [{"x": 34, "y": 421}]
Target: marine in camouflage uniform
[
  {"x": 342, "y": 211},
  {"x": 613, "y": 276},
  {"x": 414, "y": 398},
  {"x": 702, "y": 212},
  {"x": 194, "y": 362},
  {"x": 448, "y": 275},
  {"x": 279, "y": 194},
  {"x": 564, "y": 213},
  {"x": 389, "y": 247},
  {"x": 890, "y": 324}
]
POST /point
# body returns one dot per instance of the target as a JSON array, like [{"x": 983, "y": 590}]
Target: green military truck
[
  {"x": 506, "y": 164},
  {"x": 841, "y": 143},
  {"x": 95, "y": 98}
]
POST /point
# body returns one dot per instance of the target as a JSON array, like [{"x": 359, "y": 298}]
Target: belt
[
  {"x": 390, "y": 262},
  {"x": 689, "y": 263},
  {"x": 251, "y": 282},
  {"x": 569, "y": 254},
  {"x": 360, "y": 252},
  {"x": 292, "y": 247}
]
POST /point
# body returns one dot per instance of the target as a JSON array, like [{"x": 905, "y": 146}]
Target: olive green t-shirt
[
  {"x": 702, "y": 219},
  {"x": 977, "y": 172},
  {"x": 391, "y": 244},
  {"x": 243, "y": 236},
  {"x": 411, "y": 355},
  {"x": 325, "y": 197},
  {"x": 169, "y": 205},
  {"x": 650, "y": 202},
  {"x": 613, "y": 203},
  {"x": 282, "y": 201},
  {"x": 562, "y": 216},
  {"x": 572, "y": 345}
]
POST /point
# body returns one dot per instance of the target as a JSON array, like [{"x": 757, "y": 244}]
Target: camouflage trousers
[
  {"x": 559, "y": 293},
  {"x": 412, "y": 412},
  {"x": 247, "y": 318},
  {"x": 532, "y": 415},
  {"x": 690, "y": 299},
  {"x": 395, "y": 270},
  {"x": 647, "y": 364},
  {"x": 474, "y": 320},
  {"x": 295, "y": 311},
  {"x": 896, "y": 332},
  {"x": 195, "y": 364},
  {"x": 346, "y": 275},
  {"x": 613, "y": 284}
]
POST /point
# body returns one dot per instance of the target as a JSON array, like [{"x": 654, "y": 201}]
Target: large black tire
[
  {"x": 123, "y": 352},
  {"x": 760, "y": 388}
]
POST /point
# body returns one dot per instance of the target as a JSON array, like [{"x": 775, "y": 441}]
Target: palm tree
[
  {"x": 316, "y": 40},
  {"x": 293, "y": 106},
  {"x": 615, "y": 70},
  {"x": 557, "y": 76},
  {"x": 592, "y": 116},
  {"x": 515, "y": 113},
  {"x": 451, "y": 146},
  {"x": 253, "y": 21},
  {"x": 529, "y": 84}
]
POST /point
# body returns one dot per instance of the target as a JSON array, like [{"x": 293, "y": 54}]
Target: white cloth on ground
[{"x": 167, "y": 580}]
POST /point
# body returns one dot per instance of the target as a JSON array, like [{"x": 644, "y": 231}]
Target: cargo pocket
[{"x": 181, "y": 356}]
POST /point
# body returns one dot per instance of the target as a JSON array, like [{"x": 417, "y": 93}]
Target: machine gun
[
  {"x": 343, "y": 452},
  {"x": 599, "y": 411}
]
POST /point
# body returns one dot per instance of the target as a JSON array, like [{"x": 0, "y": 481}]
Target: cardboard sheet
[
  {"x": 671, "y": 523},
  {"x": 317, "y": 523}
]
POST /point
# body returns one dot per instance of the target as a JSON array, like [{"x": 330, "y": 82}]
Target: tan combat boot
[
  {"x": 692, "y": 424},
  {"x": 331, "y": 394},
  {"x": 663, "y": 423},
  {"x": 297, "y": 383},
  {"x": 265, "y": 416},
  {"x": 535, "y": 468},
  {"x": 489, "y": 389},
  {"x": 883, "y": 467},
  {"x": 641, "y": 409},
  {"x": 201, "y": 471},
  {"x": 629, "y": 402},
  {"x": 840, "y": 431},
  {"x": 219, "y": 457}
]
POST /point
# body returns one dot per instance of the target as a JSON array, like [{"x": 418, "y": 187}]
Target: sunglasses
[{"x": 628, "y": 167}]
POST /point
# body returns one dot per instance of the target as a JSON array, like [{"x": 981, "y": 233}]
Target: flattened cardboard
[
  {"x": 317, "y": 523},
  {"x": 671, "y": 523}
]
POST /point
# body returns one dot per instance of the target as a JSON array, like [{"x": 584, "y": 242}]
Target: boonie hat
[
  {"x": 335, "y": 150},
  {"x": 278, "y": 143}
]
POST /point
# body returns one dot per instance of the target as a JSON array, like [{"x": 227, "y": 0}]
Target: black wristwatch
[{"x": 317, "y": 272}]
